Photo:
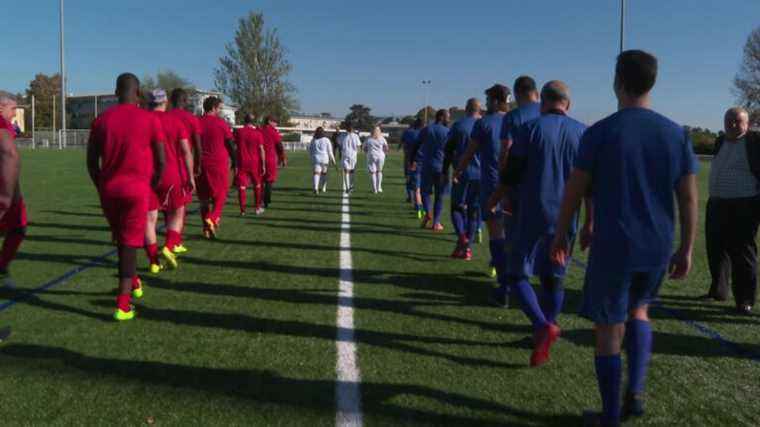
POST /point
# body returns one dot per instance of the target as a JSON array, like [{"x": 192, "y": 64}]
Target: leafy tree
[
  {"x": 254, "y": 72},
  {"x": 360, "y": 118},
  {"x": 44, "y": 88},
  {"x": 167, "y": 80},
  {"x": 408, "y": 120},
  {"x": 430, "y": 114},
  {"x": 747, "y": 80},
  {"x": 702, "y": 139}
]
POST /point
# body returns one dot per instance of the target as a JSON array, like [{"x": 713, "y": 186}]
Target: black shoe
[
  {"x": 633, "y": 406},
  {"x": 594, "y": 419}
]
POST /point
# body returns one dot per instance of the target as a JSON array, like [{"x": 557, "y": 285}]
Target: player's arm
[
  {"x": 263, "y": 158},
  {"x": 330, "y": 152},
  {"x": 198, "y": 150},
  {"x": 575, "y": 190},
  {"x": 9, "y": 171},
  {"x": 187, "y": 156},
  {"x": 509, "y": 177},
  {"x": 448, "y": 153},
  {"x": 280, "y": 149},
  {"x": 159, "y": 161},
  {"x": 93, "y": 158},
  {"x": 687, "y": 195},
  {"x": 587, "y": 231},
  {"x": 230, "y": 144},
  {"x": 472, "y": 147}
]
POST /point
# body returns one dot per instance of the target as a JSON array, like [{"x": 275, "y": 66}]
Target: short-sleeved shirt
[
  {"x": 636, "y": 158},
  {"x": 124, "y": 134},
  {"x": 321, "y": 151},
  {"x": 192, "y": 123},
  {"x": 517, "y": 117},
  {"x": 174, "y": 131},
  {"x": 214, "y": 133},
  {"x": 433, "y": 140},
  {"x": 546, "y": 147},
  {"x": 249, "y": 141},
  {"x": 461, "y": 133},
  {"x": 349, "y": 145},
  {"x": 376, "y": 148},
  {"x": 487, "y": 131}
]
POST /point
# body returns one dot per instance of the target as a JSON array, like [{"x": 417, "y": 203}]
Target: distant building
[
  {"x": 394, "y": 130},
  {"x": 18, "y": 119},
  {"x": 313, "y": 121},
  {"x": 228, "y": 109}
]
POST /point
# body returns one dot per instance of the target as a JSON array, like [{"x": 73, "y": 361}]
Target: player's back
[
  {"x": 518, "y": 117},
  {"x": 191, "y": 122},
  {"x": 174, "y": 131},
  {"x": 246, "y": 142},
  {"x": 272, "y": 137},
  {"x": 487, "y": 131},
  {"x": 350, "y": 145},
  {"x": 124, "y": 134},
  {"x": 461, "y": 132},
  {"x": 636, "y": 158},
  {"x": 433, "y": 140},
  {"x": 376, "y": 147},
  {"x": 409, "y": 140},
  {"x": 214, "y": 133}
]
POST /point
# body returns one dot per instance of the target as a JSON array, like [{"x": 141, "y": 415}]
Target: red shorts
[
  {"x": 15, "y": 217},
  {"x": 212, "y": 182},
  {"x": 271, "y": 175},
  {"x": 168, "y": 198},
  {"x": 247, "y": 178},
  {"x": 127, "y": 215}
]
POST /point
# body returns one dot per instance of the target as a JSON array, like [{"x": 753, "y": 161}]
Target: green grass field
[{"x": 244, "y": 332}]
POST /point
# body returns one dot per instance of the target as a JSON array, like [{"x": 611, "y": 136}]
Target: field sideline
[{"x": 244, "y": 333}]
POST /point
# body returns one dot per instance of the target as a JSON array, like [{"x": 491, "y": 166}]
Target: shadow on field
[
  {"x": 33, "y": 300},
  {"x": 264, "y": 386},
  {"x": 708, "y": 312}
]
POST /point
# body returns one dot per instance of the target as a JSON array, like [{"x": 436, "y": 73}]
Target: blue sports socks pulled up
[
  {"x": 552, "y": 297},
  {"x": 638, "y": 347},
  {"x": 529, "y": 302},
  {"x": 608, "y": 374}
]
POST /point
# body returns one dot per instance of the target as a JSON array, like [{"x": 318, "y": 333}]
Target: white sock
[
  {"x": 323, "y": 182},
  {"x": 316, "y": 182},
  {"x": 379, "y": 181}
]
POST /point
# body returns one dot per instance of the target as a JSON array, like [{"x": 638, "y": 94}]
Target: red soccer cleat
[
  {"x": 425, "y": 220},
  {"x": 438, "y": 227},
  {"x": 543, "y": 341},
  {"x": 467, "y": 255},
  {"x": 458, "y": 253}
]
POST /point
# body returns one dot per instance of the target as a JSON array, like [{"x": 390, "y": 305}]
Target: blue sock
[
  {"x": 528, "y": 302},
  {"x": 638, "y": 348},
  {"x": 426, "y": 202},
  {"x": 417, "y": 206},
  {"x": 499, "y": 261},
  {"x": 438, "y": 208},
  {"x": 473, "y": 223},
  {"x": 552, "y": 297},
  {"x": 608, "y": 374},
  {"x": 457, "y": 218}
]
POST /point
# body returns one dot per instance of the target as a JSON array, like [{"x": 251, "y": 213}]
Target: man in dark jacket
[{"x": 733, "y": 212}]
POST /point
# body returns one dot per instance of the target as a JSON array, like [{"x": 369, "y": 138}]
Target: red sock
[
  {"x": 241, "y": 199},
  {"x": 136, "y": 283},
  {"x": 122, "y": 302},
  {"x": 257, "y": 193},
  {"x": 10, "y": 247},
  {"x": 152, "y": 252},
  {"x": 172, "y": 239}
]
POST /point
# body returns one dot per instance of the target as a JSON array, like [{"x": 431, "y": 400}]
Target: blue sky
[{"x": 376, "y": 53}]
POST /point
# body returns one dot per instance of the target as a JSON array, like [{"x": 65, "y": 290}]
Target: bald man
[
  {"x": 538, "y": 165},
  {"x": 12, "y": 209},
  {"x": 733, "y": 212}
]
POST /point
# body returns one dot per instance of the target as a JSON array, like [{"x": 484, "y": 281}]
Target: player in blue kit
[
  {"x": 486, "y": 141},
  {"x": 539, "y": 163},
  {"x": 432, "y": 142},
  {"x": 632, "y": 163},
  {"x": 465, "y": 193},
  {"x": 409, "y": 141}
]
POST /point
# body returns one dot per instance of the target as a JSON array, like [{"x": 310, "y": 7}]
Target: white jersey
[
  {"x": 321, "y": 151},
  {"x": 349, "y": 145},
  {"x": 375, "y": 148}
]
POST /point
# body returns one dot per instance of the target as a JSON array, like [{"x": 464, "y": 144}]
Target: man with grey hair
[
  {"x": 13, "y": 219},
  {"x": 732, "y": 212},
  {"x": 538, "y": 166}
]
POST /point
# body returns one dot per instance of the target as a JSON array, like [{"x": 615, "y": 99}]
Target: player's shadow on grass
[
  {"x": 395, "y": 341},
  {"x": 100, "y": 228},
  {"x": 677, "y": 345},
  {"x": 268, "y": 387},
  {"x": 80, "y": 214},
  {"x": 33, "y": 300},
  {"x": 697, "y": 310}
]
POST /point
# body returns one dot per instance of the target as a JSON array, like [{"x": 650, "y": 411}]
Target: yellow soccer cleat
[
  {"x": 120, "y": 315},
  {"x": 170, "y": 258},
  {"x": 211, "y": 228},
  {"x": 155, "y": 268},
  {"x": 180, "y": 249},
  {"x": 137, "y": 293},
  {"x": 492, "y": 273}
]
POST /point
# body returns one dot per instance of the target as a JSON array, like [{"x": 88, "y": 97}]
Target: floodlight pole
[
  {"x": 62, "y": 143},
  {"x": 426, "y": 87},
  {"x": 622, "y": 25}
]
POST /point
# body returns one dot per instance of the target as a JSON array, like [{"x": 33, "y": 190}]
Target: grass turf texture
[{"x": 243, "y": 333}]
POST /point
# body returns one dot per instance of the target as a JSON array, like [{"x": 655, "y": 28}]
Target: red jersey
[
  {"x": 214, "y": 132},
  {"x": 8, "y": 126},
  {"x": 191, "y": 122},
  {"x": 249, "y": 141},
  {"x": 175, "y": 131},
  {"x": 123, "y": 135}
]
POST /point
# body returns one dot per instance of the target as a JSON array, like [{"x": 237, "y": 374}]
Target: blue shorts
[
  {"x": 432, "y": 181},
  {"x": 608, "y": 296},
  {"x": 466, "y": 194},
  {"x": 486, "y": 189},
  {"x": 534, "y": 260},
  {"x": 413, "y": 180}
]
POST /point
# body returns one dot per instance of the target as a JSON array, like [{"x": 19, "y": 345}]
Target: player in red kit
[
  {"x": 170, "y": 196},
  {"x": 12, "y": 209},
  {"x": 251, "y": 163},
  {"x": 275, "y": 156},
  {"x": 179, "y": 101},
  {"x": 218, "y": 152},
  {"x": 125, "y": 159}
]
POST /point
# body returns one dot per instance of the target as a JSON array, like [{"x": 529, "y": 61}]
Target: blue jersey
[
  {"x": 636, "y": 159},
  {"x": 487, "y": 131},
  {"x": 433, "y": 140},
  {"x": 409, "y": 140},
  {"x": 460, "y": 134},
  {"x": 546, "y": 149},
  {"x": 517, "y": 117}
]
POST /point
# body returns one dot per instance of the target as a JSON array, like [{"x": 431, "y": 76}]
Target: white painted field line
[{"x": 347, "y": 393}]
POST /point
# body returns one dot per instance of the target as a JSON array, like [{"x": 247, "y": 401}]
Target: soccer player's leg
[
  {"x": 258, "y": 188},
  {"x": 204, "y": 199},
  {"x": 242, "y": 182},
  {"x": 458, "y": 218},
  {"x": 496, "y": 243},
  {"x": 323, "y": 178},
  {"x": 426, "y": 190},
  {"x": 439, "y": 188},
  {"x": 174, "y": 214},
  {"x": 316, "y": 178},
  {"x": 151, "y": 240},
  {"x": 220, "y": 187},
  {"x": 14, "y": 222},
  {"x": 552, "y": 280},
  {"x": 380, "y": 164},
  {"x": 472, "y": 200}
]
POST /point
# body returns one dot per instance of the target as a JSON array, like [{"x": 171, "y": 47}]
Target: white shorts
[
  {"x": 320, "y": 167},
  {"x": 349, "y": 163},
  {"x": 375, "y": 165}
]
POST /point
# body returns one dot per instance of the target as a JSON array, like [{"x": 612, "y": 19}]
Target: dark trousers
[{"x": 730, "y": 228}]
